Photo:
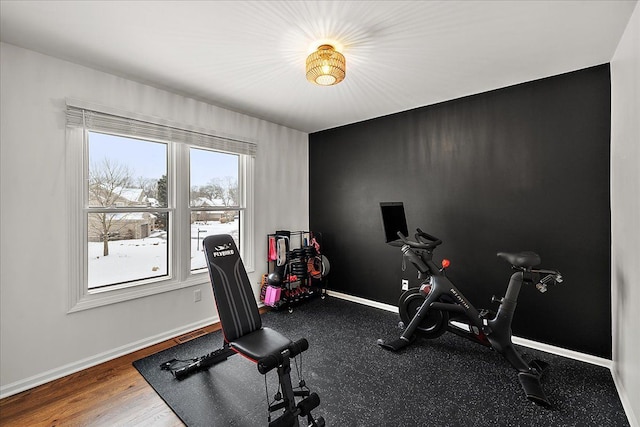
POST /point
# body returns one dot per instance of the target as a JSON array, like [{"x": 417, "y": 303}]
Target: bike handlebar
[
  {"x": 431, "y": 240},
  {"x": 423, "y": 241},
  {"x": 551, "y": 276}
]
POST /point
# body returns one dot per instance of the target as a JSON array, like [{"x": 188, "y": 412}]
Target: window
[
  {"x": 127, "y": 211},
  {"x": 214, "y": 201},
  {"x": 143, "y": 197}
]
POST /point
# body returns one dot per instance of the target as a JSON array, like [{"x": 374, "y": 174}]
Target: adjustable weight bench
[{"x": 244, "y": 334}]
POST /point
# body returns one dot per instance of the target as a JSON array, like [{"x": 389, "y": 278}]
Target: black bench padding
[
  {"x": 236, "y": 302},
  {"x": 261, "y": 343}
]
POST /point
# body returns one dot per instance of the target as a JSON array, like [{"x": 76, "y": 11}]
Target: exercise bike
[{"x": 437, "y": 306}]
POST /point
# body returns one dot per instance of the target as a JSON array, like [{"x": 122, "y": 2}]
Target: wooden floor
[{"x": 110, "y": 394}]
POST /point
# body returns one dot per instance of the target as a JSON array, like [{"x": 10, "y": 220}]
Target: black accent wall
[{"x": 520, "y": 168}]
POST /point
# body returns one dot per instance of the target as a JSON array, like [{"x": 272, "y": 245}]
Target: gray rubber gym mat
[{"x": 448, "y": 381}]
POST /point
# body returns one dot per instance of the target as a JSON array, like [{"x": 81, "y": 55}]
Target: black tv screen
[{"x": 393, "y": 220}]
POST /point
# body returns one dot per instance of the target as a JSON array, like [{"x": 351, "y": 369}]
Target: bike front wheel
[{"x": 432, "y": 325}]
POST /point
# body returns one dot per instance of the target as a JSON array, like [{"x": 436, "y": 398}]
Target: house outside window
[{"x": 143, "y": 197}]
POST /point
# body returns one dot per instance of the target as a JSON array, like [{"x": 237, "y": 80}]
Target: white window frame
[{"x": 179, "y": 265}]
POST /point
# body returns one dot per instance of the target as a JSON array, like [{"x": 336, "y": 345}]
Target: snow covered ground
[{"x": 137, "y": 259}]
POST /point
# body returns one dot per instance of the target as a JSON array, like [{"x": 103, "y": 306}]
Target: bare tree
[
  {"x": 223, "y": 189},
  {"x": 229, "y": 190},
  {"x": 149, "y": 186},
  {"x": 107, "y": 181},
  {"x": 210, "y": 191}
]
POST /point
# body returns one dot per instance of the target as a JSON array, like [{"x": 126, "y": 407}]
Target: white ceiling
[{"x": 249, "y": 56}]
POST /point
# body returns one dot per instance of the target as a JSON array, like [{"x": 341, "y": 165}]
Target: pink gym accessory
[
  {"x": 273, "y": 255},
  {"x": 272, "y": 296}
]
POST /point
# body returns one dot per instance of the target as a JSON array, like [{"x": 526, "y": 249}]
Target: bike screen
[{"x": 393, "y": 220}]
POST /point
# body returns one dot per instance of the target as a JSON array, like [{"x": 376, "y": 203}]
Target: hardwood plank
[{"x": 110, "y": 394}]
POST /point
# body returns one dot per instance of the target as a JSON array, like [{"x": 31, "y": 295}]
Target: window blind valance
[{"x": 112, "y": 123}]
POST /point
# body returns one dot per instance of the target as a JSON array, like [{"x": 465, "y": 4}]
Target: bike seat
[{"x": 521, "y": 259}]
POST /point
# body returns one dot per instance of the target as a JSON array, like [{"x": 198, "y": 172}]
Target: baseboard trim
[
  {"x": 624, "y": 399},
  {"x": 516, "y": 340},
  {"x": 363, "y": 301},
  {"x": 570, "y": 354},
  {"x": 71, "y": 368}
]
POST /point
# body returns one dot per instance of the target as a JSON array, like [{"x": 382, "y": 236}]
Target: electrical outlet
[
  {"x": 405, "y": 284},
  {"x": 197, "y": 295}
]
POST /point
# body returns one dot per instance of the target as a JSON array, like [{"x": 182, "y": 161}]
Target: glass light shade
[{"x": 326, "y": 66}]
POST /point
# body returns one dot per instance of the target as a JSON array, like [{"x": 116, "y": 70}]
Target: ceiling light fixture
[{"x": 326, "y": 66}]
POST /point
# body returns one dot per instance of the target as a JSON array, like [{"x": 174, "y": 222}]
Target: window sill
[{"x": 93, "y": 299}]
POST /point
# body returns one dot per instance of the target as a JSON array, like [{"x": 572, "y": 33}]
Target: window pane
[
  {"x": 213, "y": 178},
  {"x": 125, "y": 172},
  {"x": 204, "y": 223},
  {"x": 126, "y": 247}
]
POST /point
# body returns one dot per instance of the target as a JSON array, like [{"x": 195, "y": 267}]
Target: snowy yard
[{"x": 131, "y": 260}]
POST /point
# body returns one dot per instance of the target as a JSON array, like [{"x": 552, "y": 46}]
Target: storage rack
[{"x": 296, "y": 284}]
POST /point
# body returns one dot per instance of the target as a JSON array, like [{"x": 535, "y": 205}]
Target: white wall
[
  {"x": 625, "y": 215},
  {"x": 39, "y": 341}
]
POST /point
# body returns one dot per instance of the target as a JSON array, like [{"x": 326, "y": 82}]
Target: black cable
[
  {"x": 302, "y": 384},
  {"x": 276, "y": 397},
  {"x": 266, "y": 391},
  {"x": 298, "y": 369}
]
